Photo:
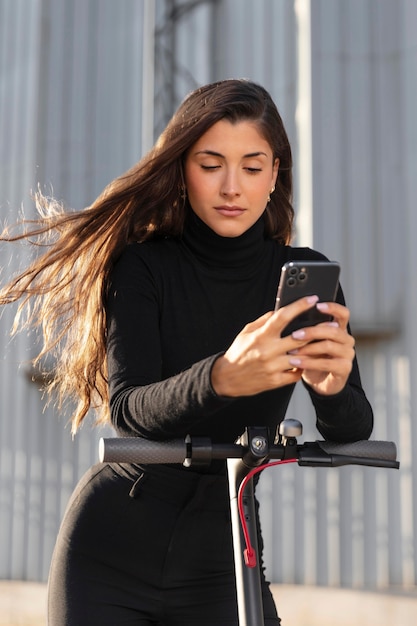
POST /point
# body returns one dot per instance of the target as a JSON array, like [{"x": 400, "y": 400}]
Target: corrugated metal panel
[
  {"x": 71, "y": 98},
  {"x": 358, "y": 95},
  {"x": 257, "y": 40},
  {"x": 74, "y": 85},
  {"x": 357, "y": 527},
  {"x": 18, "y": 71},
  {"x": 91, "y": 95}
]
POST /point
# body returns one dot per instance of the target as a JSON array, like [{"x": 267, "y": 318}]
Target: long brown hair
[{"x": 63, "y": 291}]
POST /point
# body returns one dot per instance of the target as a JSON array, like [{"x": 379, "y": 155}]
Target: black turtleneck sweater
[{"x": 174, "y": 305}]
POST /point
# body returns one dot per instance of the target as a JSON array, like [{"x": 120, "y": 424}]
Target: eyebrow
[{"x": 218, "y": 154}]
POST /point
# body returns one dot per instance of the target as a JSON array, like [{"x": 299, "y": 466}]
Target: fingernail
[
  {"x": 295, "y": 351},
  {"x": 334, "y": 324},
  {"x": 298, "y": 334},
  {"x": 323, "y": 306},
  {"x": 312, "y": 299},
  {"x": 294, "y": 362}
]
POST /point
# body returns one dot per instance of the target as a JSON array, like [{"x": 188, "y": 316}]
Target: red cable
[{"x": 249, "y": 553}]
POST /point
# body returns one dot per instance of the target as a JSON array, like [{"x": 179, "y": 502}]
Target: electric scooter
[{"x": 253, "y": 453}]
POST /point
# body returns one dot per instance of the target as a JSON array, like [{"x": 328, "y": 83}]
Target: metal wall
[
  {"x": 71, "y": 102},
  {"x": 82, "y": 84},
  {"x": 357, "y": 527}
]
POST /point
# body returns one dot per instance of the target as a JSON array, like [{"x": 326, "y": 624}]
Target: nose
[{"x": 230, "y": 185}]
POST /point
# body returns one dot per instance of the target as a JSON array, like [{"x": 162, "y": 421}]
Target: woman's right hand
[{"x": 259, "y": 358}]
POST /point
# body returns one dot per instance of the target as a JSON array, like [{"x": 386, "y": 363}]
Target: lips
[{"x": 229, "y": 211}]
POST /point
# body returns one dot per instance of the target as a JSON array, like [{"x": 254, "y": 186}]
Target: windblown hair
[{"x": 63, "y": 291}]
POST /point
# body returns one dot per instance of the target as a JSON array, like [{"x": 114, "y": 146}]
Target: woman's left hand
[{"x": 327, "y": 359}]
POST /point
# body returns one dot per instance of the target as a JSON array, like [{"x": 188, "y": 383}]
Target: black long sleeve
[{"x": 173, "y": 307}]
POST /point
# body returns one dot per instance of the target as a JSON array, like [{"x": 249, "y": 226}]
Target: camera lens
[
  {"x": 291, "y": 282},
  {"x": 293, "y": 271},
  {"x": 302, "y": 276}
]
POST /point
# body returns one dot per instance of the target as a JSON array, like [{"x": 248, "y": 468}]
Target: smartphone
[{"x": 307, "y": 278}]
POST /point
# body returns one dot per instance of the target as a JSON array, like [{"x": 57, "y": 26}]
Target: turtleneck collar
[{"x": 230, "y": 254}]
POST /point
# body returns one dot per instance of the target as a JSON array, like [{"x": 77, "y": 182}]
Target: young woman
[{"x": 159, "y": 301}]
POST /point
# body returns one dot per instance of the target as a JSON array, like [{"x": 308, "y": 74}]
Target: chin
[{"x": 230, "y": 231}]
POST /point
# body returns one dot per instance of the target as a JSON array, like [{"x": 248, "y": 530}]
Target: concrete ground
[{"x": 24, "y": 604}]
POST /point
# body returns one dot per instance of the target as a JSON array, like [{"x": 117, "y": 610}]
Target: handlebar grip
[
  {"x": 384, "y": 450},
  {"x": 138, "y": 450}
]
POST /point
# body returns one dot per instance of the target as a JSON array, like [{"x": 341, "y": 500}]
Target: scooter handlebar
[
  {"x": 331, "y": 454},
  {"x": 138, "y": 450},
  {"x": 189, "y": 451}
]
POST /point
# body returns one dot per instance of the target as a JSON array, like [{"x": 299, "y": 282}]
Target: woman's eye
[
  {"x": 253, "y": 170},
  {"x": 210, "y": 167}
]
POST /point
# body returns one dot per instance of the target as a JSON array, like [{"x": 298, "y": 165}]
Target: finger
[
  {"x": 323, "y": 356},
  {"x": 339, "y": 312},
  {"x": 324, "y": 365},
  {"x": 283, "y": 316},
  {"x": 339, "y": 345},
  {"x": 325, "y": 350},
  {"x": 331, "y": 331}
]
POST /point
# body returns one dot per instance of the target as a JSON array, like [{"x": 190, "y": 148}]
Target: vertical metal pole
[
  {"x": 304, "y": 124},
  {"x": 248, "y": 580},
  {"x": 148, "y": 75}
]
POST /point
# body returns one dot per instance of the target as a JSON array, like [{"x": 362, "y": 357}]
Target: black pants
[{"x": 149, "y": 548}]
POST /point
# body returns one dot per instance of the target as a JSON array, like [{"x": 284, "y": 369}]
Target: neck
[{"x": 228, "y": 253}]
